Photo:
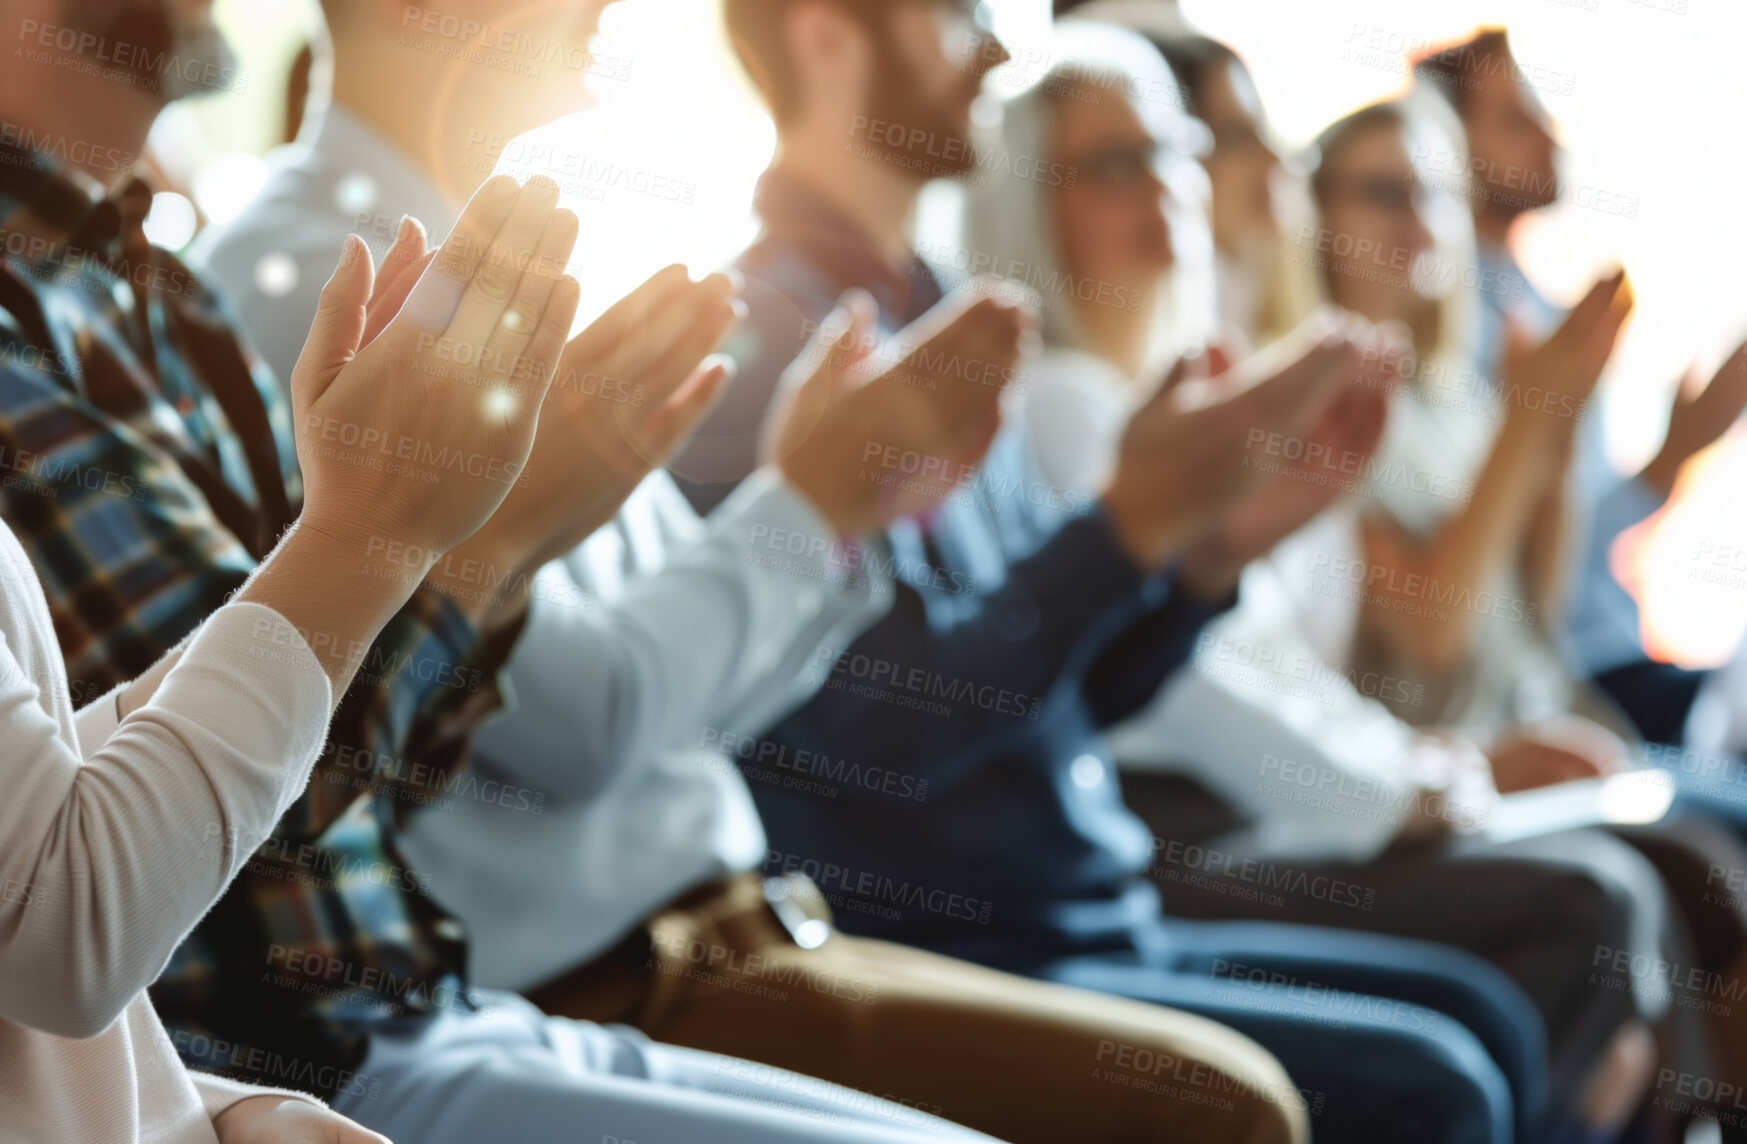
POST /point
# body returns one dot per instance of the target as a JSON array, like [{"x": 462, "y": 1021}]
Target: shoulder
[{"x": 282, "y": 238}]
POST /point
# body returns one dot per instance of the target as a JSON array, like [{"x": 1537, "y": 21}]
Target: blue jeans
[
  {"x": 1390, "y": 1039},
  {"x": 509, "y": 1073}
]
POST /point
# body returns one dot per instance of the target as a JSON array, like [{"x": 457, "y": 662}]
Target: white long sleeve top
[{"x": 115, "y": 837}]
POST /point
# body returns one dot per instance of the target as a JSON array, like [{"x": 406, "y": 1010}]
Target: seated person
[
  {"x": 149, "y": 387},
  {"x": 1223, "y": 723},
  {"x": 649, "y": 649},
  {"x": 1082, "y": 607}
]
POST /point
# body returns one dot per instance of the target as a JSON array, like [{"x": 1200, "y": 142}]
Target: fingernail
[
  {"x": 501, "y": 188},
  {"x": 350, "y": 250},
  {"x": 543, "y": 187},
  {"x": 740, "y": 310},
  {"x": 729, "y": 366}
]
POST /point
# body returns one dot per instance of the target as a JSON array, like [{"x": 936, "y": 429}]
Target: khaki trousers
[{"x": 1023, "y": 1060}]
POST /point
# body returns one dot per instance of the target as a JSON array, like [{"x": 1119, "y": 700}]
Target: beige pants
[{"x": 1019, "y": 1059}]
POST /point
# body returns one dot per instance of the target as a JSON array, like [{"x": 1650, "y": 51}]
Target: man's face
[
  {"x": 1515, "y": 156},
  {"x": 929, "y": 60},
  {"x": 171, "y": 48},
  {"x": 571, "y": 23},
  {"x": 524, "y": 62}
]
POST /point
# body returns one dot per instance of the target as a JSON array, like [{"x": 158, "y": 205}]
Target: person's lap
[
  {"x": 510, "y": 1073},
  {"x": 1541, "y": 909},
  {"x": 1373, "y": 1027},
  {"x": 1022, "y": 1059}
]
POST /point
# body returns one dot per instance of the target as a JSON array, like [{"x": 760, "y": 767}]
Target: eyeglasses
[
  {"x": 1121, "y": 167},
  {"x": 1235, "y": 137},
  {"x": 1397, "y": 195}
]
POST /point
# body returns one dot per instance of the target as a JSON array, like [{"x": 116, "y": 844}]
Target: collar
[
  {"x": 47, "y": 199},
  {"x": 366, "y": 170},
  {"x": 796, "y": 217}
]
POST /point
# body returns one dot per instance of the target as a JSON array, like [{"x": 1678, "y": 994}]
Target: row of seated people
[{"x": 706, "y": 727}]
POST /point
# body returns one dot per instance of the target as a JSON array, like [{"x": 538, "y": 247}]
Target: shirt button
[
  {"x": 185, "y": 405},
  {"x": 1087, "y": 771}
]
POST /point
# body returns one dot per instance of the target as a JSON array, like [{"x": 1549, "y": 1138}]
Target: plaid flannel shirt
[{"x": 146, "y": 465}]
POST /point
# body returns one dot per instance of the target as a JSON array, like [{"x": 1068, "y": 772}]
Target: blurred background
[{"x": 1648, "y": 96}]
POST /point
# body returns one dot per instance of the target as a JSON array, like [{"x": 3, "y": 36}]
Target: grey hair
[{"x": 1007, "y": 221}]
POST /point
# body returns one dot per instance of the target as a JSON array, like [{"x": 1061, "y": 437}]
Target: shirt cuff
[
  {"x": 781, "y": 529},
  {"x": 218, "y": 1093}
]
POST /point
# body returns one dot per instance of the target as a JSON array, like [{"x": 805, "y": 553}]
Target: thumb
[
  {"x": 335, "y": 334},
  {"x": 860, "y": 315}
]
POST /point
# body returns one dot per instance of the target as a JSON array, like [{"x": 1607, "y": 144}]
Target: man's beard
[
  {"x": 163, "y": 52},
  {"x": 919, "y": 134}
]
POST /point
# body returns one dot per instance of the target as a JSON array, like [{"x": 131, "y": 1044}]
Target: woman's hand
[
  {"x": 283, "y": 1120},
  {"x": 411, "y": 440},
  {"x": 1555, "y": 751},
  {"x": 417, "y": 399}
]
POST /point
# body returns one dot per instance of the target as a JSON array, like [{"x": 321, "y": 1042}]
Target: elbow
[{"x": 91, "y": 1010}]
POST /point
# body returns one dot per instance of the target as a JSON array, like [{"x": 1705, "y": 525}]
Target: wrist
[
  {"x": 1147, "y": 536},
  {"x": 1208, "y": 571},
  {"x": 815, "y": 487},
  {"x": 486, "y": 582},
  {"x": 332, "y": 591}
]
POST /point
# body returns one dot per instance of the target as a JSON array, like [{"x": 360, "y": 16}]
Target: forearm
[
  {"x": 333, "y": 590},
  {"x": 1545, "y": 547},
  {"x": 1478, "y": 541},
  {"x": 992, "y": 666},
  {"x": 123, "y": 851},
  {"x": 720, "y": 634},
  {"x": 1148, "y": 653}
]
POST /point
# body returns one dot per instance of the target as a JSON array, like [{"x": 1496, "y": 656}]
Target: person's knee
[
  {"x": 1606, "y": 903},
  {"x": 1456, "y": 1083},
  {"x": 1218, "y": 1080}
]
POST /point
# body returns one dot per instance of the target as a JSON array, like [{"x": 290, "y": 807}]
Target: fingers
[
  {"x": 386, "y": 306},
  {"x": 1593, "y": 307},
  {"x": 862, "y": 317},
  {"x": 410, "y": 245},
  {"x": 843, "y": 341},
  {"x": 1293, "y": 395},
  {"x": 339, "y": 323},
  {"x": 707, "y": 314},
  {"x": 826, "y": 369},
  {"x": 434, "y": 300},
  {"x": 669, "y": 427},
  {"x": 515, "y": 330},
  {"x": 511, "y": 256},
  {"x": 603, "y": 344},
  {"x": 539, "y": 361}
]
